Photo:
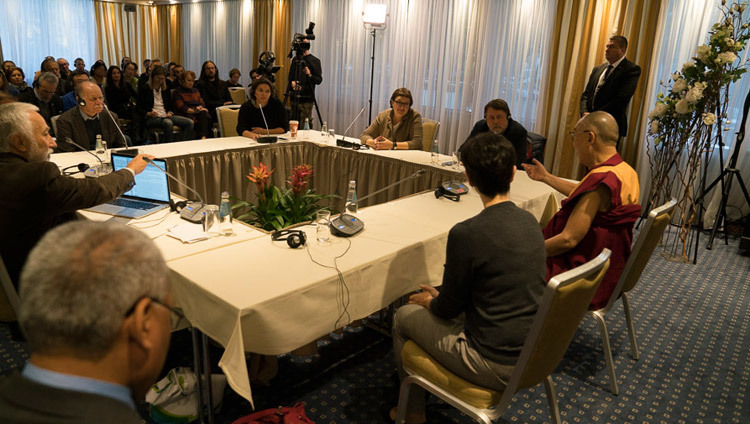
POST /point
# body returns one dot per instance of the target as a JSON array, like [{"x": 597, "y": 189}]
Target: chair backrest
[
  {"x": 564, "y": 303},
  {"x": 429, "y": 133},
  {"x": 644, "y": 246},
  {"x": 239, "y": 95},
  {"x": 9, "y": 300},
  {"x": 54, "y": 123},
  {"x": 227, "y": 117}
]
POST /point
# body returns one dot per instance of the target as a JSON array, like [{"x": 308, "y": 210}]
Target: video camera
[
  {"x": 265, "y": 66},
  {"x": 301, "y": 42}
]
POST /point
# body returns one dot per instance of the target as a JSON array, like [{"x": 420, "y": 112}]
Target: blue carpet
[{"x": 692, "y": 325}]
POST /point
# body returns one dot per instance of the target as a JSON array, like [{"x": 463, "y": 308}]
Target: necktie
[{"x": 601, "y": 82}]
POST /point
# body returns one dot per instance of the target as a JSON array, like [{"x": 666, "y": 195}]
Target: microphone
[
  {"x": 192, "y": 213},
  {"x": 417, "y": 174},
  {"x": 268, "y": 138},
  {"x": 342, "y": 142},
  {"x": 101, "y": 164},
  {"x": 117, "y": 125}
]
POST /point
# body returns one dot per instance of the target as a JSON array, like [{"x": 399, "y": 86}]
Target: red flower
[
  {"x": 300, "y": 176},
  {"x": 260, "y": 177}
]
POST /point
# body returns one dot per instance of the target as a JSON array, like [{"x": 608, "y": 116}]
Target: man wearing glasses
[
  {"x": 45, "y": 97},
  {"x": 600, "y": 210},
  {"x": 95, "y": 308}
]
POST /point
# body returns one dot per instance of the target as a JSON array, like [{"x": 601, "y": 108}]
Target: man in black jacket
[
  {"x": 83, "y": 123},
  {"x": 44, "y": 96},
  {"x": 497, "y": 120},
  {"x": 612, "y": 84},
  {"x": 214, "y": 91},
  {"x": 305, "y": 72}
]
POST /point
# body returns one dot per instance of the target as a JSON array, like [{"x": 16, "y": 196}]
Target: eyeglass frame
[{"x": 173, "y": 311}]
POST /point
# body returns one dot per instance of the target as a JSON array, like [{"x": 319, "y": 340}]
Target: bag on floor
[
  {"x": 281, "y": 415},
  {"x": 174, "y": 400}
]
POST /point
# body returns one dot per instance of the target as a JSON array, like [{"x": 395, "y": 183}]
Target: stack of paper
[{"x": 188, "y": 233}]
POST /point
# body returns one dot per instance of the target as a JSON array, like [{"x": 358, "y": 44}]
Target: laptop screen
[{"x": 151, "y": 184}]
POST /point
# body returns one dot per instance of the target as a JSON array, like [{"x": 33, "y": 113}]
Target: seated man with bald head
[
  {"x": 600, "y": 210},
  {"x": 96, "y": 310},
  {"x": 85, "y": 121}
]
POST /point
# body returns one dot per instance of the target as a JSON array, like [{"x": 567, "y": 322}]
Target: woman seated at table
[
  {"x": 120, "y": 95},
  {"x": 189, "y": 103},
  {"x": 155, "y": 106},
  {"x": 399, "y": 127},
  {"x": 250, "y": 121}
]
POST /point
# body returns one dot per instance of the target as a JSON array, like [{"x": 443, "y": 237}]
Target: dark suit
[
  {"x": 54, "y": 107},
  {"x": 515, "y": 133},
  {"x": 35, "y": 197},
  {"x": 23, "y": 401},
  {"x": 615, "y": 93},
  {"x": 71, "y": 124}
]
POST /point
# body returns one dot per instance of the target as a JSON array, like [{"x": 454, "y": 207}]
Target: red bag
[{"x": 280, "y": 415}]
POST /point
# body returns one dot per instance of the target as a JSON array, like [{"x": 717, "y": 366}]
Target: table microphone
[
  {"x": 268, "y": 138},
  {"x": 342, "y": 142},
  {"x": 192, "y": 213},
  {"x": 101, "y": 164},
  {"x": 417, "y": 174},
  {"x": 117, "y": 125}
]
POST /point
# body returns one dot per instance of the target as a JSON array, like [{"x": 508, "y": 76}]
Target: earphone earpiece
[{"x": 81, "y": 102}]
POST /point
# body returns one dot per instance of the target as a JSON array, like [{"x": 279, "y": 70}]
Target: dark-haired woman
[
  {"x": 250, "y": 121},
  {"x": 189, "y": 103}
]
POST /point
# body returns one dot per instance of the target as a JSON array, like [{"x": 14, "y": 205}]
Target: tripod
[{"x": 294, "y": 94}]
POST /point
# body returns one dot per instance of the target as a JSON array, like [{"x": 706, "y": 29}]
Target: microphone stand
[
  {"x": 70, "y": 140},
  {"x": 268, "y": 138},
  {"x": 117, "y": 125},
  {"x": 417, "y": 174},
  {"x": 342, "y": 142},
  {"x": 192, "y": 214}
]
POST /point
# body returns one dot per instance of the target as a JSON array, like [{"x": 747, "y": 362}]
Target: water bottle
[
  {"x": 101, "y": 153},
  {"x": 324, "y": 130},
  {"x": 306, "y": 129},
  {"x": 225, "y": 215},
  {"x": 351, "y": 197},
  {"x": 435, "y": 153}
]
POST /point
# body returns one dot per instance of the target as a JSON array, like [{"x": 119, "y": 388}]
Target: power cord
[{"x": 342, "y": 294}]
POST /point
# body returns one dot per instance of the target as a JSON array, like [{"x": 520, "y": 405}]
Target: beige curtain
[
  {"x": 582, "y": 29},
  {"x": 272, "y": 31},
  {"x": 149, "y": 32}
]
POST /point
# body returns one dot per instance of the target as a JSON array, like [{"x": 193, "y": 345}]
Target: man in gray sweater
[{"x": 476, "y": 325}]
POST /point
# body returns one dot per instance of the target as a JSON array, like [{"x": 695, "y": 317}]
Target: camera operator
[{"x": 305, "y": 73}]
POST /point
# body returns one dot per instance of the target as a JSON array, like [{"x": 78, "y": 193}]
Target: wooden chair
[
  {"x": 563, "y": 305},
  {"x": 227, "y": 117},
  {"x": 644, "y": 246},
  {"x": 429, "y": 133}
]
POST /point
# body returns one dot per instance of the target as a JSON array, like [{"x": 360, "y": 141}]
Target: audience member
[
  {"x": 69, "y": 99},
  {"x": 254, "y": 75},
  {"x": 120, "y": 95},
  {"x": 213, "y": 90},
  {"x": 303, "y": 76},
  {"x": 599, "y": 211},
  {"x": 125, "y": 60},
  {"x": 155, "y": 105},
  {"x": 399, "y": 127},
  {"x": 497, "y": 120},
  {"x": 7, "y": 87},
  {"x": 143, "y": 79},
  {"x": 18, "y": 80},
  {"x": 65, "y": 75},
  {"x": 99, "y": 74},
  {"x": 493, "y": 280},
  {"x": 95, "y": 306},
  {"x": 8, "y": 65},
  {"x": 80, "y": 65},
  {"x": 83, "y": 123},
  {"x": 34, "y": 196},
  {"x": 44, "y": 97},
  {"x": 189, "y": 103},
  {"x": 250, "y": 122},
  {"x": 129, "y": 73},
  {"x": 173, "y": 80},
  {"x": 50, "y": 65},
  {"x": 612, "y": 84},
  {"x": 234, "y": 78}
]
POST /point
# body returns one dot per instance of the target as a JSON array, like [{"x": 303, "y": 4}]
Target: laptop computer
[{"x": 149, "y": 194}]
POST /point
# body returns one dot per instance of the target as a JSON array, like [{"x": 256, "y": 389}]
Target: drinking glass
[
  {"x": 322, "y": 232},
  {"x": 456, "y": 156},
  {"x": 331, "y": 136},
  {"x": 212, "y": 221}
]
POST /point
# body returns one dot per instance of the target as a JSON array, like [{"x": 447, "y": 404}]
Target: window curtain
[
  {"x": 30, "y": 30},
  {"x": 684, "y": 28},
  {"x": 221, "y": 32},
  {"x": 149, "y": 32},
  {"x": 454, "y": 56}
]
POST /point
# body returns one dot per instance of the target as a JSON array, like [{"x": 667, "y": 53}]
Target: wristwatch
[{"x": 394, "y": 145}]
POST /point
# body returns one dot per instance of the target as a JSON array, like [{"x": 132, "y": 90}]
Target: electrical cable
[{"x": 342, "y": 294}]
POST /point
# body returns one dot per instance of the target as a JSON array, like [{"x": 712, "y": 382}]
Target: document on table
[{"x": 188, "y": 233}]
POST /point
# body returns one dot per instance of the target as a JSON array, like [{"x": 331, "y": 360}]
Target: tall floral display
[{"x": 686, "y": 124}]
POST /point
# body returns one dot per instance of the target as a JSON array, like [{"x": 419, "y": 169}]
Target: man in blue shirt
[{"x": 95, "y": 309}]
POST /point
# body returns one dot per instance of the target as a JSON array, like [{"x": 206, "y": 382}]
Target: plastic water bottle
[
  {"x": 101, "y": 153},
  {"x": 351, "y": 197},
  {"x": 306, "y": 129},
  {"x": 225, "y": 214},
  {"x": 435, "y": 153},
  {"x": 324, "y": 130}
]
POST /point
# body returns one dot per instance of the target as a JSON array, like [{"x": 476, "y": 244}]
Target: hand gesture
[
  {"x": 536, "y": 171},
  {"x": 425, "y": 297},
  {"x": 138, "y": 164}
]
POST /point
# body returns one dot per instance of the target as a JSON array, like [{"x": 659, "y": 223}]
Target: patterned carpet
[{"x": 692, "y": 324}]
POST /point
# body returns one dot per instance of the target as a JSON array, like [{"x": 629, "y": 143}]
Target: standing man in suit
[
  {"x": 83, "y": 123},
  {"x": 612, "y": 84},
  {"x": 96, "y": 310}
]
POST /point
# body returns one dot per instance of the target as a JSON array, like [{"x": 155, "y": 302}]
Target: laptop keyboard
[{"x": 132, "y": 204}]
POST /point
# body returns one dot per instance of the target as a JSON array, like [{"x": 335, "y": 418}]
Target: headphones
[
  {"x": 177, "y": 206},
  {"x": 442, "y": 191},
  {"x": 294, "y": 238},
  {"x": 81, "y": 102}
]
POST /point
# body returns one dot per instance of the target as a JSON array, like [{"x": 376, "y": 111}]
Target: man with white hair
[
  {"x": 44, "y": 96},
  {"x": 34, "y": 196},
  {"x": 83, "y": 123},
  {"x": 96, "y": 310}
]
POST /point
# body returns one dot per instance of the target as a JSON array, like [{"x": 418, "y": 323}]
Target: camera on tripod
[
  {"x": 301, "y": 42},
  {"x": 265, "y": 67}
]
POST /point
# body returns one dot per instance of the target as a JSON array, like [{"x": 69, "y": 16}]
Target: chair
[
  {"x": 54, "y": 123},
  {"x": 563, "y": 304},
  {"x": 535, "y": 143},
  {"x": 644, "y": 246},
  {"x": 227, "y": 117},
  {"x": 9, "y": 300},
  {"x": 429, "y": 133},
  {"x": 239, "y": 95}
]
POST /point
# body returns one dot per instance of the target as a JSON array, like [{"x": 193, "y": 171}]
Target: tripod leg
[
  {"x": 317, "y": 109},
  {"x": 722, "y": 212}
]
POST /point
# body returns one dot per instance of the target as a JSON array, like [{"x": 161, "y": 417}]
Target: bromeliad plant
[{"x": 278, "y": 208}]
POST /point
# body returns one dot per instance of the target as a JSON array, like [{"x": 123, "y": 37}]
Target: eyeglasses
[
  {"x": 573, "y": 134},
  {"x": 404, "y": 104},
  {"x": 175, "y": 315}
]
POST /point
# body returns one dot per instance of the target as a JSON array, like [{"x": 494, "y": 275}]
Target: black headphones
[
  {"x": 177, "y": 206},
  {"x": 81, "y": 102},
  {"x": 441, "y": 191},
  {"x": 294, "y": 238}
]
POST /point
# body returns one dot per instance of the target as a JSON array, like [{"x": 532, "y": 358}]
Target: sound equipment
[{"x": 293, "y": 238}]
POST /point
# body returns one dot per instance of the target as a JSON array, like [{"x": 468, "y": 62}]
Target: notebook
[{"x": 149, "y": 194}]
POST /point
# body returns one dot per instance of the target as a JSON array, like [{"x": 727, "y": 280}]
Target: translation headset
[
  {"x": 81, "y": 102},
  {"x": 177, "y": 206},
  {"x": 443, "y": 192},
  {"x": 294, "y": 238}
]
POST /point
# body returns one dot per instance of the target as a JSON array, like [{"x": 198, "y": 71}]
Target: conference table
[{"x": 252, "y": 294}]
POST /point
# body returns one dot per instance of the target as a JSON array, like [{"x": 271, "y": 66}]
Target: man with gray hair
[
  {"x": 45, "y": 97},
  {"x": 34, "y": 196},
  {"x": 85, "y": 122},
  {"x": 96, "y": 310}
]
